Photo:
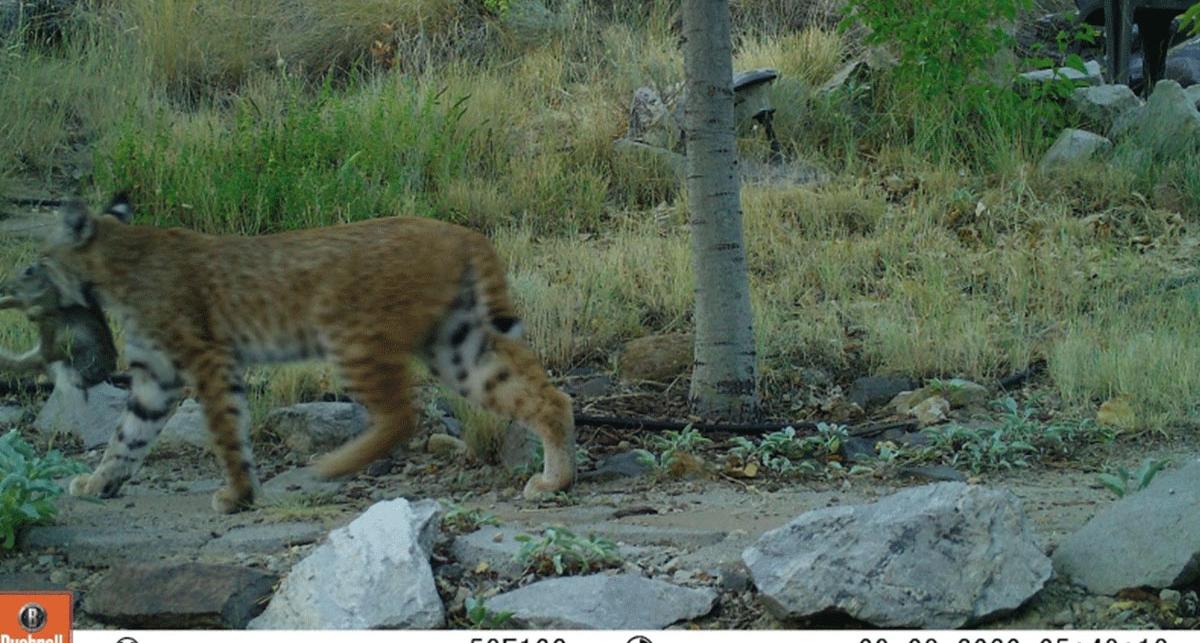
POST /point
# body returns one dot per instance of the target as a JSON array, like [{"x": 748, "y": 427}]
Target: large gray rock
[
  {"x": 1102, "y": 105},
  {"x": 603, "y": 602},
  {"x": 1168, "y": 124},
  {"x": 317, "y": 427},
  {"x": 187, "y": 596},
  {"x": 187, "y": 427},
  {"x": 373, "y": 573},
  {"x": 93, "y": 420},
  {"x": 1071, "y": 147},
  {"x": 1149, "y": 538},
  {"x": 937, "y": 556}
]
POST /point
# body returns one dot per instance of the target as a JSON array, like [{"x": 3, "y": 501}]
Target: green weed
[
  {"x": 1122, "y": 481},
  {"x": 458, "y": 519},
  {"x": 670, "y": 447},
  {"x": 29, "y": 489},
  {"x": 559, "y": 551},
  {"x": 481, "y": 617}
]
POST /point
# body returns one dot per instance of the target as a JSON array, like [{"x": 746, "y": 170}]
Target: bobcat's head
[{"x": 79, "y": 253}]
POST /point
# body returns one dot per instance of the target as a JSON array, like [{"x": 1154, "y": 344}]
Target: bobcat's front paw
[
  {"x": 228, "y": 500},
  {"x": 539, "y": 487},
  {"x": 91, "y": 485}
]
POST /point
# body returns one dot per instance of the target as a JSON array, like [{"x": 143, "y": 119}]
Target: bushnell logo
[{"x": 32, "y": 617}]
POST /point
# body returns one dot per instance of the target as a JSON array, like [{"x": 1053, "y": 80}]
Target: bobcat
[{"x": 197, "y": 308}]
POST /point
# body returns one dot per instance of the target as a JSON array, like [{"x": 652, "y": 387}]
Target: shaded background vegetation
[{"x": 933, "y": 247}]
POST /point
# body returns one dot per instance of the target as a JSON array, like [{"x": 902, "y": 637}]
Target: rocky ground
[{"x": 208, "y": 570}]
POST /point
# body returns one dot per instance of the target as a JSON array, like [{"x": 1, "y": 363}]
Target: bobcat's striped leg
[
  {"x": 222, "y": 395},
  {"x": 156, "y": 389},
  {"x": 503, "y": 375}
]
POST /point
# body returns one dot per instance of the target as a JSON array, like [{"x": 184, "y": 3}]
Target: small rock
[
  {"x": 495, "y": 546},
  {"x": 935, "y": 473},
  {"x": 657, "y": 358},
  {"x": 938, "y": 556},
  {"x": 11, "y": 414},
  {"x": 1062, "y": 617},
  {"x": 962, "y": 393},
  {"x": 932, "y": 411},
  {"x": 619, "y": 466},
  {"x": 187, "y": 596},
  {"x": 1170, "y": 598},
  {"x": 187, "y": 426},
  {"x": 1091, "y": 74},
  {"x": 1073, "y": 146},
  {"x": 446, "y": 445},
  {"x": 644, "y": 535},
  {"x": 875, "y": 391},
  {"x": 591, "y": 387},
  {"x": 452, "y": 426},
  {"x": 373, "y": 573},
  {"x": 317, "y": 427},
  {"x": 518, "y": 449},
  {"x": 380, "y": 467},
  {"x": 1102, "y": 105},
  {"x": 856, "y": 449},
  {"x": 264, "y": 539},
  {"x": 92, "y": 420},
  {"x": 734, "y": 577},
  {"x": 904, "y": 402},
  {"x": 600, "y": 601},
  {"x": 1167, "y": 538}
]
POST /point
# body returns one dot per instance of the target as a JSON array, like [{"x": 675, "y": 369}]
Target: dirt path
[{"x": 696, "y": 526}]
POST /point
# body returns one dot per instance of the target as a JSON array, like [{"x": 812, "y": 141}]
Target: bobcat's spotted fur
[{"x": 198, "y": 308}]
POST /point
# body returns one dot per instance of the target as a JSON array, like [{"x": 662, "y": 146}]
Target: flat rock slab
[
  {"x": 603, "y": 602},
  {"x": 495, "y": 546},
  {"x": 188, "y": 596},
  {"x": 646, "y": 535},
  {"x": 1147, "y": 539},
  {"x": 109, "y": 545},
  {"x": 299, "y": 483},
  {"x": 264, "y": 539},
  {"x": 371, "y": 574},
  {"x": 938, "y": 556}
]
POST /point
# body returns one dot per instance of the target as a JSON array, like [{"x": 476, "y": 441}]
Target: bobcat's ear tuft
[
  {"x": 78, "y": 227},
  {"x": 120, "y": 207}
]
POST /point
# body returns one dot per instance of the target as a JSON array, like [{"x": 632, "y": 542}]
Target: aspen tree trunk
[{"x": 724, "y": 376}]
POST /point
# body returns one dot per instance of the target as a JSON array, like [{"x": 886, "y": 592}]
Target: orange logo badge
[{"x": 35, "y": 617}]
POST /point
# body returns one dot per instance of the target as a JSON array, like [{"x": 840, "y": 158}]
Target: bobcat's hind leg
[{"x": 503, "y": 375}]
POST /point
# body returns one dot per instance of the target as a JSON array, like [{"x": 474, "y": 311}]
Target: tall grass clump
[{"x": 301, "y": 160}]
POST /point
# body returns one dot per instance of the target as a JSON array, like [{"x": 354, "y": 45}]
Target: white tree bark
[{"x": 724, "y": 376}]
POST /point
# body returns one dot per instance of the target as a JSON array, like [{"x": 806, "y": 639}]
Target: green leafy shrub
[
  {"x": 1017, "y": 440},
  {"x": 785, "y": 453},
  {"x": 561, "y": 552},
  {"x": 672, "y": 446},
  {"x": 28, "y": 488}
]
